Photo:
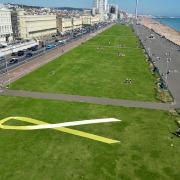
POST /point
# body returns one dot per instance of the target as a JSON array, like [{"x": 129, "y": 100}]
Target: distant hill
[
  {"x": 71, "y": 8},
  {"x": 58, "y": 8},
  {"x": 25, "y": 6}
]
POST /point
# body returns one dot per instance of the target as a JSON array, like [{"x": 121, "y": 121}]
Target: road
[
  {"x": 165, "y": 55},
  {"x": 6, "y": 64}
]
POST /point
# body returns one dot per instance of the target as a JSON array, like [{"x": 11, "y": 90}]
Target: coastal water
[{"x": 172, "y": 22}]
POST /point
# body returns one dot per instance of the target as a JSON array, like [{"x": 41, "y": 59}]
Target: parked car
[
  {"x": 2, "y": 46},
  {"x": 29, "y": 54},
  {"x": 20, "y": 53},
  {"x": 63, "y": 41},
  {"x": 13, "y": 61},
  {"x": 50, "y": 46},
  {"x": 60, "y": 42},
  {"x": 14, "y": 54},
  {"x": 34, "y": 48},
  {"x": 2, "y": 58}
]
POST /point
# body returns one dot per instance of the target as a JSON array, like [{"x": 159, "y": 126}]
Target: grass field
[
  {"x": 145, "y": 150},
  {"x": 95, "y": 69}
]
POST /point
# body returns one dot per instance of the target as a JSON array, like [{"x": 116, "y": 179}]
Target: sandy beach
[{"x": 161, "y": 29}]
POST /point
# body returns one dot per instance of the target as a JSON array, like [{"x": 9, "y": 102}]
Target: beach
[{"x": 161, "y": 29}]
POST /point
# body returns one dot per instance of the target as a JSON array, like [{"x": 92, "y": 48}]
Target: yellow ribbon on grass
[{"x": 43, "y": 125}]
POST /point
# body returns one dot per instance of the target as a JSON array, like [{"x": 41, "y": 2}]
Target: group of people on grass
[{"x": 128, "y": 81}]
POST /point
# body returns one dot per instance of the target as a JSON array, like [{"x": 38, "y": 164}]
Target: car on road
[
  {"x": 20, "y": 53},
  {"x": 2, "y": 58},
  {"x": 14, "y": 54},
  {"x": 34, "y": 48},
  {"x": 50, "y": 46},
  {"x": 13, "y": 61},
  {"x": 29, "y": 54},
  {"x": 63, "y": 41}
]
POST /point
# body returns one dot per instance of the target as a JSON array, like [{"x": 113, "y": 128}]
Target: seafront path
[
  {"x": 165, "y": 55},
  {"x": 89, "y": 99}
]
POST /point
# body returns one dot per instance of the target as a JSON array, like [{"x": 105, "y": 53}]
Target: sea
[{"x": 171, "y": 22}]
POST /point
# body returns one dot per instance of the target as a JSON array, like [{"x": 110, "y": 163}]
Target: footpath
[{"x": 89, "y": 99}]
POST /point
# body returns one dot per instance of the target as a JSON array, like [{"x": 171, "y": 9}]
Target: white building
[
  {"x": 105, "y": 5},
  {"x": 77, "y": 22},
  {"x": 35, "y": 26},
  {"x": 5, "y": 25},
  {"x": 91, "y": 20},
  {"x": 64, "y": 24},
  {"x": 100, "y": 7}
]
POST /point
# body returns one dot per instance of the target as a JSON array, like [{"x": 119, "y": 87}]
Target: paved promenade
[{"x": 165, "y": 56}]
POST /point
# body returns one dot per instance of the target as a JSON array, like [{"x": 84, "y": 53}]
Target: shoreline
[
  {"x": 161, "y": 29},
  {"x": 161, "y": 22}
]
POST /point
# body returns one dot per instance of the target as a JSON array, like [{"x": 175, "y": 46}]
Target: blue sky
[{"x": 154, "y": 7}]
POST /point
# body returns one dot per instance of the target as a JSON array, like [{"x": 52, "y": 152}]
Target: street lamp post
[
  {"x": 149, "y": 51},
  {"x": 1, "y": 74},
  {"x": 7, "y": 72},
  {"x": 44, "y": 43},
  {"x": 136, "y": 10}
]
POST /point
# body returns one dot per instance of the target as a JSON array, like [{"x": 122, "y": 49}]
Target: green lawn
[
  {"x": 145, "y": 151},
  {"x": 90, "y": 71}
]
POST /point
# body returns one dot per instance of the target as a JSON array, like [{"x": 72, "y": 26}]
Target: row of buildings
[{"x": 18, "y": 23}]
